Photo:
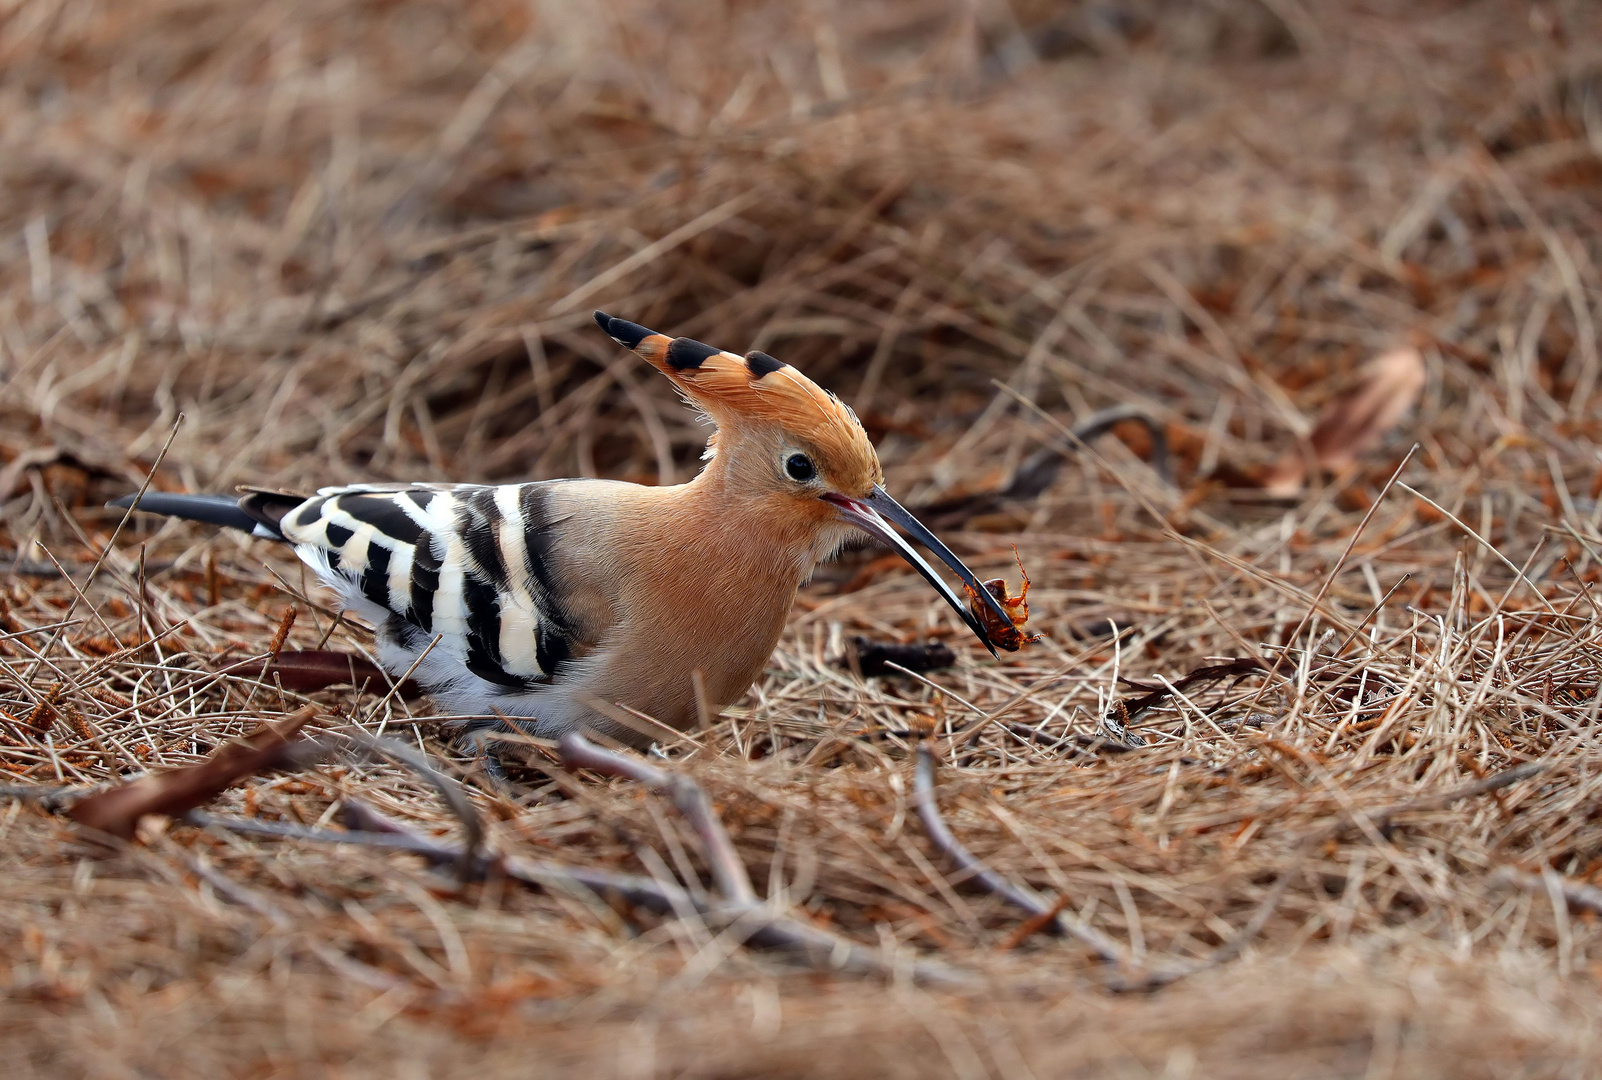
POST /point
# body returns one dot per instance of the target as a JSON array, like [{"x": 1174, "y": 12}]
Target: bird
[{"x": 554, "y": 605}]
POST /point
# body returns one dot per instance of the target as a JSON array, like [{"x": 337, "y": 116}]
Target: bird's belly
[
  {"x": 653, "y": 668},
  {"x": 650, "y": 671}
]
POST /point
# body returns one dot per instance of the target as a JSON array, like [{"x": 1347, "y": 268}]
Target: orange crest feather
[{"x": 741, "y": 390}]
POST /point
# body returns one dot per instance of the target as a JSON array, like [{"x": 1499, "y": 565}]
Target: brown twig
[
  {"x": 1577, "y": 893},
  {"x": 975, "y": 869},
  {"x": 449, "y": 790},
  {"x": 739, "y": 901}
]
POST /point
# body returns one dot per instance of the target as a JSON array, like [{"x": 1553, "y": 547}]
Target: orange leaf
[{"x": 1355, "y": 422}]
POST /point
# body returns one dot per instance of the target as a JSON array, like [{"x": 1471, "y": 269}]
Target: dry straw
[{"x": 352, "y": 241}]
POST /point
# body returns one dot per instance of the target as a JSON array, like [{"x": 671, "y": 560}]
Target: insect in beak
[{"x": 874, "y": 516}]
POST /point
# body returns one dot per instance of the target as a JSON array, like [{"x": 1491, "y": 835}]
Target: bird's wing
[{"x": 470, "y": 564}]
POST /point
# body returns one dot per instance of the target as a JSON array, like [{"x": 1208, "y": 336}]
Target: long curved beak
[{"x": 874, "y": 516}]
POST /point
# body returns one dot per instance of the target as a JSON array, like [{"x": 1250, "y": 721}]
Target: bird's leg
[
  {"x": 478, "y": 741},
  {"x": 476, "y": 744}
]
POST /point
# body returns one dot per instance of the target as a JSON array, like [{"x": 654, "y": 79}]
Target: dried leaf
[
  {"x": 117, "y": 811},
  {"x": 306, "y": 671},
  {"x": 1355, "y": 422}
]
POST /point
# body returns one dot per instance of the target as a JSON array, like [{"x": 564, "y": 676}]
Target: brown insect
[{"x": 1010, "y": 635}]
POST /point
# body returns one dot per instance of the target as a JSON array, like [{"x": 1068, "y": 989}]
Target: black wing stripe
[
  {"x": 405, "y": 634},
  {"x": 551, "y": 649},
  {"x": 383, "y": 514},
  {"x": 477, "y": 521},
  {"x": 425, "y": 582},
  {"x": 307, "y": 514},
  {"x": 483, "y": 605},
  {"x": 537, "y": 552},
  {"x": 375, "y": 576},
  {"x": 338, "y": 535},
  {"x": 553, "y": 644}
]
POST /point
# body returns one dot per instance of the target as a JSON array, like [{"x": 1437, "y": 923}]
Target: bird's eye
[{"x": 799, "y": 467}]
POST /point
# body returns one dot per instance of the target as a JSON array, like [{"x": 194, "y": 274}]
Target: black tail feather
[
  {"x": 211, "y": 509},
  {"x": 268, "y": 508}
]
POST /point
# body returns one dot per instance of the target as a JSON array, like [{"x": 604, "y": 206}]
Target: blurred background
[
  {"x": 354, "y": 241},
  {"x": 361, "y": 240}
]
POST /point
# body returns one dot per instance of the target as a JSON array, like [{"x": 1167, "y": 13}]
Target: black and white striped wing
[{"x": 469, "y": 564}]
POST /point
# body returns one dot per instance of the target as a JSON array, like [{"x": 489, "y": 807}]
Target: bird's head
[{"x": 793, "y": 445}]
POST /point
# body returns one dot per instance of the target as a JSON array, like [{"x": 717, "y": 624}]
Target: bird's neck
[
  {"x": 756, "y": 524},
  {"x": 705, "y": 574}
]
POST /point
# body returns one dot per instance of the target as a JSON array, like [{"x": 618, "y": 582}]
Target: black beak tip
[
  {"x": 979, "y": 632},
  {"x": 895, "y": 512}
]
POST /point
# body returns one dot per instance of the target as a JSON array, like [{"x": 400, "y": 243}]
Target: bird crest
[{"x": 736, "y": 391}]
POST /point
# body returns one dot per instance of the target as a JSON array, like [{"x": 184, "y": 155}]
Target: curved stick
[
  {"x": 940, "y": 834},
  {"x": 449, "y": 790},
  {"x": 728, "y": 871},
  {"x": 740, "y": 904}
]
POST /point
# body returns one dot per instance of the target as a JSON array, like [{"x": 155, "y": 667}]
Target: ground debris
[
  {"x": 359, "y": 242},
  {"x": 117, "y": 810},
  {"x": 873, "y": 658}
]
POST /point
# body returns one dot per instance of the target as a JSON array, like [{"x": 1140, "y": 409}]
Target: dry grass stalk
[{"x": 338, "y": 240}]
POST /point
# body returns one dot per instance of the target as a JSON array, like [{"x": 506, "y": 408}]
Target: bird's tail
[{"x": 258, "y": 513}]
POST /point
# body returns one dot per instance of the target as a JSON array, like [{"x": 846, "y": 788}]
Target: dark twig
[
  {"x": 728, "y": 872},
  {"x": 449, "y": 790},
  {"x": 407, "y": 841},
  {"x": 644, "y": 892},
  {"x": 52, "y": 798},
  {"x": 739, "y": 903},
  {"x": 357, "y": 815},
  {"x": 1506, "y": 778},
  {"x": 988, "y": 879},
  {"x": 1038, "y": 471},
  {"x": 1082, "y": 744},
  {"x": 1246, "y": 665}
]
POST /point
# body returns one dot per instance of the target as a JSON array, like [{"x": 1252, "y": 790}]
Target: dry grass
[{"x": 353, "y": 241}]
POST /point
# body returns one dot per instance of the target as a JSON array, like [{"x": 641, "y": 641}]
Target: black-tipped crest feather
[
  {"x": 627, "y": 334},
  {"x": 760, "y": 364},
  {"x": 687, "y": 354}
]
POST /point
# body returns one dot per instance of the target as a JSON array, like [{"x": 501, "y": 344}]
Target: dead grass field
[{"x": 352, "y": 241}]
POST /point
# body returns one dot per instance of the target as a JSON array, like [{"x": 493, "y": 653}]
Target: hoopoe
[{"x": 537, "y": 601}]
